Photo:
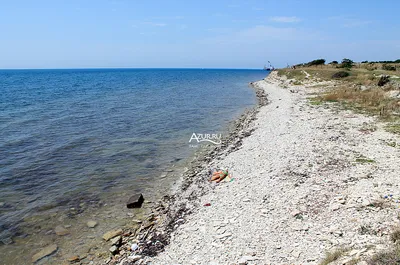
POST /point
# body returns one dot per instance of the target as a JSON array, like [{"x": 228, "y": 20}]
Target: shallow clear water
[{"x": 75, "y": 137}]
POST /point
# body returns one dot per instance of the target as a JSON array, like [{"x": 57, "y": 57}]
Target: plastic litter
[{"x": 134, "y": 247}]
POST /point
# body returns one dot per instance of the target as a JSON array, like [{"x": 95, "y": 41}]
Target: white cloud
[
  {"x": 285, "y": 19},
  {"x": 182, "y": 27},
  {"x": 155, "y": 24},
  {"x": 263, "y": 34},
  {"x": 352, "y": 23},
  {"x": 348, "y": 22},
  {"x": 177, "y": 17}
]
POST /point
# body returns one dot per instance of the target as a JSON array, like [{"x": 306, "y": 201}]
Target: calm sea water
[{"x": 67, "y": 136}]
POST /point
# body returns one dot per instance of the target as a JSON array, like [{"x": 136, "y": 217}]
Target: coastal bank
[{"x": 310, "y": 182}]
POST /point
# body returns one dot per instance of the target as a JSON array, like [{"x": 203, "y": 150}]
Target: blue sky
[{"x": 215, "y": 34}]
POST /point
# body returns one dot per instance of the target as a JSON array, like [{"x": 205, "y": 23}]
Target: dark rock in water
[
  {"x": 135, "y": 201},
  {"x": 7, "y": 241}
]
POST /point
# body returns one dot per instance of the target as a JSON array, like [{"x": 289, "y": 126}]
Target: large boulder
[{"x": 135, "y": 201}]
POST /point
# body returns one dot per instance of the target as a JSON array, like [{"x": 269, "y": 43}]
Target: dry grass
[
  {"x": 390, "y": 256},
  {"x": 358, "y": 75},
  {"x": 372, "y": 101},
  {"x": 292, "y": 74},
  {"x": 395, "y": 235},
  {"x": 333, "y": 256}
]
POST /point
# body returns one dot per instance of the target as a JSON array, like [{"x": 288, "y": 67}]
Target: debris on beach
[{"x": 135, "y": 201}]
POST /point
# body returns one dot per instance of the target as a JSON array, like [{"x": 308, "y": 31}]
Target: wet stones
[
  {"x": 7, "y": 241},
  {"x": 111, "y": 234},
  {"x": 44, "y": 252},
  {"x": 61, "y": 231},
  {"x": 91, "y": 224},
  {"x": 73, "y": 259},
  {"x": 135, "y": 201}
]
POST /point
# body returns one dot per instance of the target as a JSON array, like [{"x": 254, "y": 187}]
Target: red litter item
[{"x": 207, "y": 204}]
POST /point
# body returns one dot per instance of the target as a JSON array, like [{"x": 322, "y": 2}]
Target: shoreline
[
  {"x": 85, "y": 241},
  {"x": 309, "y": 181},
  {"x": 158, "y": 224}
]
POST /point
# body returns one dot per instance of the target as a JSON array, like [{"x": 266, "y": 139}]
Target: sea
[{"x": 76, "y": 143}]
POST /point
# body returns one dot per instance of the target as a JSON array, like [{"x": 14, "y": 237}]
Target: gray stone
[
  {"x": 91, "y": 224},
  {"x": 135, "y": 201},
  {"x": 61, "y": 231},
  {"x": 114, "y": 250},
  {"x": 44, "y": 252},
  {"x": 116, "y": 241},
  {"x": 111, "y": 234},
  {"x": 393, "y": 94},
  {"x": 134, "y": 258}
]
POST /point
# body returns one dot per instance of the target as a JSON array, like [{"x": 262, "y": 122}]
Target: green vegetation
[
  {"x": 315, "y": 101},
  {"x": 388, "y": 67},
  {"x": 383, "y": 80},
  {"x": 363, "y": 88},
  {"x": 340, "y": 74},
  {"x": 347, "y": 63},
  {"x": 364, "y": 160},
  {"x": 393, "y": 128},
  {"x": 292, "y": 74},
  {"x": 316, "y": 62}
]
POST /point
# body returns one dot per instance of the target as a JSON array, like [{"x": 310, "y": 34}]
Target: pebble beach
[{"x": 306, "y": 180}]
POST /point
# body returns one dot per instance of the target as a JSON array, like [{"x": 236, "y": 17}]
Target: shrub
[
  {"x": 383, "y": 80},
  {"x": 316, "y": 62},
  {"x": 347, "y": 63},
  {"x": 388, "y": 67},
  {"x": 334, "y": 62},
  {"x": 340, "y": 74}
]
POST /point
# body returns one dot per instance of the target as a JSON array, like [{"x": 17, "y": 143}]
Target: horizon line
[{"x": 105, "y": 68}]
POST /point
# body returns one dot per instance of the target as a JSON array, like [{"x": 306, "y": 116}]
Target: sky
[{"x": 194, "y": 34}]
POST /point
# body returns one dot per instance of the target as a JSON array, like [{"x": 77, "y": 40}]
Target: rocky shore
[{"x": 306, "y": 180}]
